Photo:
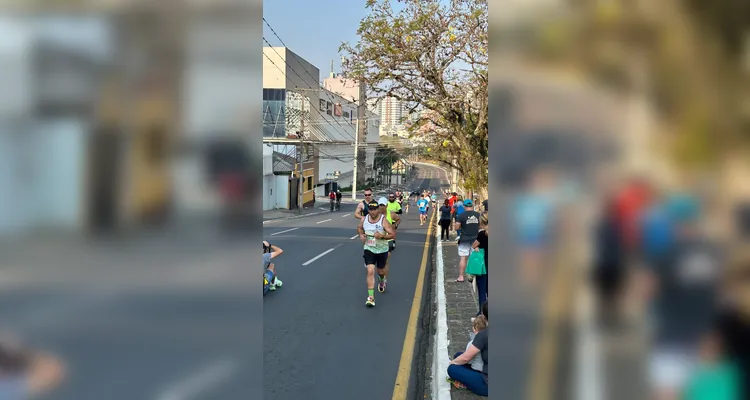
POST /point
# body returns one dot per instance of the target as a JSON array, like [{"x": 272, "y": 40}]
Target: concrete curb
[
  {"x": 441, "y": 389},
  {"x": 295, "y": 217}
]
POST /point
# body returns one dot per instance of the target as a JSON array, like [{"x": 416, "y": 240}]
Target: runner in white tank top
[{"x": 374, "y": 231}]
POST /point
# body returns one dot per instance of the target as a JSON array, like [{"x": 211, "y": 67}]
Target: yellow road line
[
  {"x": 544, "y": 363},
  {"x": 401, "y": 388}
]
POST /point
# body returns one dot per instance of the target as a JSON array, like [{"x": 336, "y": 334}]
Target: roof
[{"x": 283, "y": 163}]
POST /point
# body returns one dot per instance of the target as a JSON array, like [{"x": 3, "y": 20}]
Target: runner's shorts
[
  {"x": 378, "y": 260},
  {"x": 422, "y": 212},
  {"x": 391, "y": 245}
]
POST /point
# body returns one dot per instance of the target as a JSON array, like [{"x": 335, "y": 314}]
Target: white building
[{"x": 369, "y": 133}]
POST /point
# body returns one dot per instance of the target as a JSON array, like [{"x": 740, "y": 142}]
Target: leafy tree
[{"x": 433, "y": 57}]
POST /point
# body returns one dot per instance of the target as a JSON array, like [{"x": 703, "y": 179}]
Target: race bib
[{"x": 370, "y": 241}]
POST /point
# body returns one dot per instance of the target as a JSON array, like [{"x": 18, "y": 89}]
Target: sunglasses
[{"x": 368, "y": 194}]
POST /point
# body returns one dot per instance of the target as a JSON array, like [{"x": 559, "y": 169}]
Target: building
[
  {"x": 392, "y": 114},
  {"x": 369, "y": 132}
]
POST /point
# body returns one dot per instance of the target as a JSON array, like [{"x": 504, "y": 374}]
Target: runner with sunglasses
[{"x": 362, "y": 210}]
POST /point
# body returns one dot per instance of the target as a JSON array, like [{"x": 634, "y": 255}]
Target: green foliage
[{"x": 433, "y": 57}]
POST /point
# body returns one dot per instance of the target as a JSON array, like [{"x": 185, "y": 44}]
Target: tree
[{"x": 432, "y": 57}]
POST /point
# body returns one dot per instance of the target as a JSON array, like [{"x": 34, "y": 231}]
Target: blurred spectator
[
  {"x": 609, "y": 262},
  {"x": 742, "y": 220},
  {"x": 733, "y": 322},
  {"x": 534, "y": 214},
  {"x": 24, "y": 374},
  {"x": 631, "y": 202},
  {"x": 684, "y": 308}
]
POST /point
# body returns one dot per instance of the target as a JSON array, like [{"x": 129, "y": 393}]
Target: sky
[{"x": 314, "y": 29}]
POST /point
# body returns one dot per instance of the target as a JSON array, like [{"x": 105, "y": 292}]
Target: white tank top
[{"x": 370, "y": 228}]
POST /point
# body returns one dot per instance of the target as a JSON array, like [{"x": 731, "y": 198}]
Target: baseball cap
[
  {"x": 372, "y": 205},
  {"x": 383, "y": 201},
  {"x": 468, "y": 203}
]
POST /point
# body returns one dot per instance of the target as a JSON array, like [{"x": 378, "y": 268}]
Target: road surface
[
  {"x": 166, "y": 317},
  {"x": 320, "y": 340}
]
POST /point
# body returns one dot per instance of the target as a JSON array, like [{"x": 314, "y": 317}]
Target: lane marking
[
  {"x": 546, "y": 352},
  {"x": 401, "y": 387},
  {"x": 312, "y": 260},
  {"x": 323, "y": 208},
  {"x": 354, "y": 237},
  {"x": 201, "y": 381},
  {"x": 325, "y": 220},
  {"x": 288, "y": 230},
  {"x": 345, "y": 215}
]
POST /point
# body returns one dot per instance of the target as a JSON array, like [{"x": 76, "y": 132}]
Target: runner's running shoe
[{"x": 370, "y": 302}]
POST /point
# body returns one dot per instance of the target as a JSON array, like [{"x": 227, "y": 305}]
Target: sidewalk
[{"x": 456, "y": 306}]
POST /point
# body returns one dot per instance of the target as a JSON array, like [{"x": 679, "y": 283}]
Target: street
[
  {"x": 162, "y": 317},
  {"x": 320, "y": 341}
]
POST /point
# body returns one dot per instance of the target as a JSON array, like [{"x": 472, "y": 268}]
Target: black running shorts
[
  {"x": 378, "y": 260},
  {"x": 391, "y": 246}
]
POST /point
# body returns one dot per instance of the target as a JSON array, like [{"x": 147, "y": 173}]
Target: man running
[
  {"x": 375, "y": 231},
  {"x": 423, "y": 205},
  {"x": 362, "y": 208},
  {"x": 394, "y": 208},
  {"x": 392, "y": 215}
]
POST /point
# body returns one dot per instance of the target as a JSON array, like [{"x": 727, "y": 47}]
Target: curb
[
  {"x": 295, "y": 217},
  {"x": 441, "y": 389}
]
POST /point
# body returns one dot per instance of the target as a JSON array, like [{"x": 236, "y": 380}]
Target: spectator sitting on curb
[{"x": 460, "y": 370}]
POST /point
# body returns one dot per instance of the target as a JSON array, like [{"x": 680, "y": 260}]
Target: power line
[{"x": 296, "y": 87}]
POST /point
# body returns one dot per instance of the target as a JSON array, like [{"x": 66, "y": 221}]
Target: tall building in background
[{"x": 392, "y": 112}]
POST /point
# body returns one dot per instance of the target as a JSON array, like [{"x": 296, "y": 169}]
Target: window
[
  {"x": 346, "y": 115},
  {"x": 274, "y": 94},
  {"x": 309, "y": 183}
]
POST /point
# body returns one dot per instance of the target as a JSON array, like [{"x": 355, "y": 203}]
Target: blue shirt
[
  {"x": 533, "y": 214},
  {"x": 422, "y": 204},
  {"x": 460, "y": 209},
  {"x": 657, "y": 232},
  {"x": 434, "y": 197}
]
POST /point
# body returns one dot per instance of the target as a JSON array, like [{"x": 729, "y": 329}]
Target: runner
[
  {"x": 375, "y": 231},
  {"x": 269, "y": 253},
  {"x": 391, "y": 209},
  {"x": 395, "y": 209},
  {"x": 423, "y": 205},
  {"x": 362, "y": 209}
]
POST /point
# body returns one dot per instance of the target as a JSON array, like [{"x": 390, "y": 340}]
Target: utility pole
[
  {"x": 356, "y": 159},
  {"x": 301, "y": 156}
]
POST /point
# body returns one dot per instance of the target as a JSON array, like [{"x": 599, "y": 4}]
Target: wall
[{"x": 281, "y": 192}]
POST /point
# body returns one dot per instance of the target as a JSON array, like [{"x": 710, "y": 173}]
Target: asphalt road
[
  {"x": 164, "y": 317},
  {"x": 320, "y": 341}
]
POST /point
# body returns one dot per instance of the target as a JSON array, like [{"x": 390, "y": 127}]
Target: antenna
[{"x": 333, "y": 74}]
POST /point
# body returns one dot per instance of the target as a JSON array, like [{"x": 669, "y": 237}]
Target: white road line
[
  {"x": 323, "y": 208},
  {"x": 288, "y": 230},
  {"x": 354, "y": 237},
  {"x": 201, "y": 381},
  {"x": 312, "y": 260},
  {"x": 345, "y": 215},
  {"x": 325, "y": 220}
]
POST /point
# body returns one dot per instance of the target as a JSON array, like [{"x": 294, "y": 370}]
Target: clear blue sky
[{"x": 314, "y": 29}]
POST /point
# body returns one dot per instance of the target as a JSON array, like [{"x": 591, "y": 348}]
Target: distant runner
[
  {"x": 423, "y": 205},
  {"x": 375, "y": 231}
]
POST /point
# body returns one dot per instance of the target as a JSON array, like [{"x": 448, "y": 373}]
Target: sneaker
[
  {"x": 277, "y": 282},
  {"x": 272, "y": 287},
  {"x": 381, "y": 286},
  {"x": 385, "y": 285},
  {"x": 370, "y": 302}
]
